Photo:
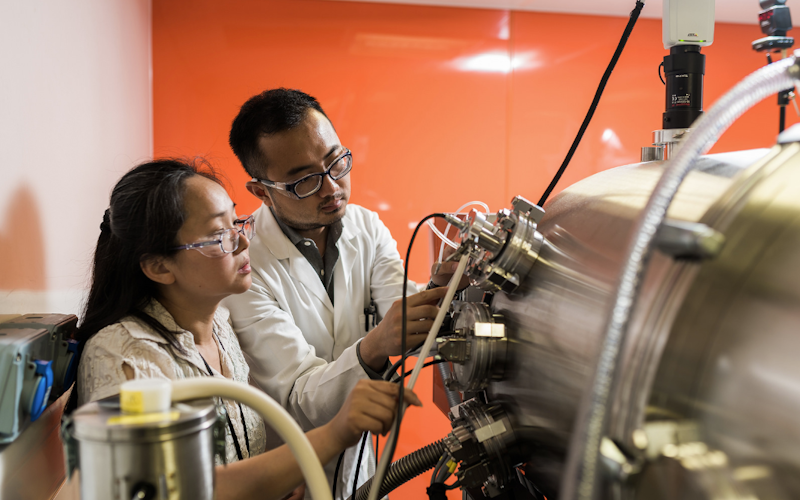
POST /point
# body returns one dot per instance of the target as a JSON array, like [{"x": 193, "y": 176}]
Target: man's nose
[{"x": 329, "y": 186}]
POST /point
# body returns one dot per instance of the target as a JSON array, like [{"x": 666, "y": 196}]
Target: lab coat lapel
[
  {"x": 301, "y": 270},
  {"x": 343, "y": 274},
  {"x": 269, "y": 233}
]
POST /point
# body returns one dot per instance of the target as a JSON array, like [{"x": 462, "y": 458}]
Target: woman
[{"x": 171, "y": 248}]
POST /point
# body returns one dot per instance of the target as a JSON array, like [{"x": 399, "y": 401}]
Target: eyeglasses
[
  {"x": 310, "y": 184},
  {"x": 226, "y": 241}
]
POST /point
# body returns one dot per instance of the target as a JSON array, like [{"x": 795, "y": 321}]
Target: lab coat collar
[{"x": 269, "y": 234}]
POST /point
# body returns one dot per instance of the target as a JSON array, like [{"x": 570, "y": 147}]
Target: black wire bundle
[
  {"x": 625, "y": 34},
  {"x": 336, "y": 474},
  {"x": 392, "y": 443}
]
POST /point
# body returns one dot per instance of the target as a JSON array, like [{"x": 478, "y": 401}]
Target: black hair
[
  {"x": 145, "y": 213},
  {"x": 269, "y": 112}
]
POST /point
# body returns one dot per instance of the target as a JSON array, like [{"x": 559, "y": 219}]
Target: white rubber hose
[
  {"x": 380, "y": 472},
  {"x": 272, "y": 413}
]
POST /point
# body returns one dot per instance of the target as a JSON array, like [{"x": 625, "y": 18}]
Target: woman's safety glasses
[{"x": 226, "y": 241}]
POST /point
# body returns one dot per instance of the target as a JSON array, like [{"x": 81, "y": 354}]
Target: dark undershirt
[{"x": 322, "y": 266}]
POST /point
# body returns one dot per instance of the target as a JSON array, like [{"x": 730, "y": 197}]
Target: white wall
[
  {"x": 75, "y": 114},
  {"x": 727, "y": 11}
]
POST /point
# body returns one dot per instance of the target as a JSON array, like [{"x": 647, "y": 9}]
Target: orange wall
[{"x": 427, "y": 136}]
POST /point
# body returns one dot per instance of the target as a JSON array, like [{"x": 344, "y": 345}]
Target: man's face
[{"x": 293, "y": 154}]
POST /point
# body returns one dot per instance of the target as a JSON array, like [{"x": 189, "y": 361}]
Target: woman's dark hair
[{"x": 143, "y": 219}]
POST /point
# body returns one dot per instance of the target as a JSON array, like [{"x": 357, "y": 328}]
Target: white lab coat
[{"x": 302, "y": 349}]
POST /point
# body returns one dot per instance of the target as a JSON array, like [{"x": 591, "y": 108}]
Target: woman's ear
[
  {"x": 155, "y": 268},
  {"x": 260, "y": 191}
]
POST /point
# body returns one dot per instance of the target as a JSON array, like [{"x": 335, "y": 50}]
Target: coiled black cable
[
  {"x": 625, "y": 34},
  {"x": 405, "y": 469}
]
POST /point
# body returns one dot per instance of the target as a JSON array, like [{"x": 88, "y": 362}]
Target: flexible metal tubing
[
  {"x": 274, "y": 415},
  {"x": 580, "y": 480},
  {"x": 405, "y": 469}
]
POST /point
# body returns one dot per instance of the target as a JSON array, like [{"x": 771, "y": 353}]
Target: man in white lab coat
[{"x": 324, "y": 309}]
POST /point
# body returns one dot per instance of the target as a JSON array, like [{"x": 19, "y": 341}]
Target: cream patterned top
[{"x": 134, "y": 343}]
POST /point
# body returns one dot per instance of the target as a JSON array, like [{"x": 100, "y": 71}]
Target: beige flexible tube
[
  {"x": 274, "y": 415},
  {"x": 423, "y": 353}
]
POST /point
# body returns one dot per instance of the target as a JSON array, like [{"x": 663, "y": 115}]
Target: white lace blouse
[{"x": 132, "y": 342}]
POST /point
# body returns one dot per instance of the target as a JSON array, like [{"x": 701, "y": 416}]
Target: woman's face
[{"x": 209, "y": 211}]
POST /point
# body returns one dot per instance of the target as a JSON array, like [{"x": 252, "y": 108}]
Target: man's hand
[
  {"x": 385, "y": 339},
  {"x": 371, "y": 406},
  {"x": 442, "y": 275}
]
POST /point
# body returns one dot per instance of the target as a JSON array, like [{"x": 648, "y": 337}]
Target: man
[{"x": 324, "y": 272}]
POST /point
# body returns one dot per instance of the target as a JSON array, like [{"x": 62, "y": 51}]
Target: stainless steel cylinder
[
  {"x": 167, "y": 456},
  {"x": 556, "y": 318}
]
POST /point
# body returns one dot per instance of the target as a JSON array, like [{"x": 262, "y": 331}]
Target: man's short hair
[{"x": 269, "y": 112}]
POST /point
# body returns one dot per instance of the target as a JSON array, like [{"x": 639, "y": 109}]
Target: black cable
[
  {"x": 392, "y": 443},
  {"x": 631, "y": 22},
  {"x": 659, "y": 73},
  {"x": 453, "y": 486},
  {"x": 336, "y": 474},
  {"x": 392, "y": 371},
  {"x": 358, "y": 462},
  {"x": 429, "y": 363},
  {"x": 782, "y": 119},
  {"x": 436, "y": 468}
]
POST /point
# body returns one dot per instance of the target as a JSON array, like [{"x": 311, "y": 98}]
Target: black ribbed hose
[{"x": 405, "y": 469}]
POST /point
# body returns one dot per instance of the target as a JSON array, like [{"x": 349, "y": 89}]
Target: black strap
[
  {"x": 241, "y": 412},
  {"x": 230, "y": 423},
  {"x": 235, "y": 439}
]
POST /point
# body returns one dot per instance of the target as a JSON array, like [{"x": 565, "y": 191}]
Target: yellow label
[
  {"x": 131, "y": 401},
  {"x": 144, "y": 418}
]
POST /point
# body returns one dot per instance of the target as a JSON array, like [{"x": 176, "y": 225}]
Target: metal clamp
[
  {"x": 478, "y": 351},
  {"x": 502, "y": 251}
]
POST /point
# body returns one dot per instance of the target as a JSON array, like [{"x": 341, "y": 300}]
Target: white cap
[{"x": 145, "y": 395}]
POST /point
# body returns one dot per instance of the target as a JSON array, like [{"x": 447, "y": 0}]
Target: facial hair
[{"x": 301, "y": 225}]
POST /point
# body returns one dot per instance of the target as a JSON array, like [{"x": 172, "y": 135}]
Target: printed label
[{"x": 682, "y": 100}]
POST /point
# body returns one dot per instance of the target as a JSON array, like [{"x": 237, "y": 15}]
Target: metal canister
[{"x": 160, "y": 456}]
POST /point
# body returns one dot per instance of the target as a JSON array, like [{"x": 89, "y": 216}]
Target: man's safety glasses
[
  {"x": 226, "y": 241},
  {"x": 310, "y": 184}
]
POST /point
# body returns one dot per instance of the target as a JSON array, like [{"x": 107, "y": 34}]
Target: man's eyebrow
[{"x": 297, "y": 170}]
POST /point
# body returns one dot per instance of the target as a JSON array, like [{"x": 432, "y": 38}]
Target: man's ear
[
  {"x": 260, "y": 191},
  {"x": 155, "y": 268}
]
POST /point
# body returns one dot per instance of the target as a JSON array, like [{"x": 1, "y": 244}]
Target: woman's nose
[{"x": 244, "y": 242}]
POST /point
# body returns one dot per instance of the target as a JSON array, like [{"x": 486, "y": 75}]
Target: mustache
[{"x": 329, "y": 200}]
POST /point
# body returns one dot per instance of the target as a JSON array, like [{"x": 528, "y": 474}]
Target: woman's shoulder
[
  {"x": 128, "y": 342},
  {"x": 127, "y": 333}
]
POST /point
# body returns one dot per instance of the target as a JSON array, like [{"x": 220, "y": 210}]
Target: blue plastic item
[
  {"x": 44, "y": 374},
  {"x": 69, "y": 376}
]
